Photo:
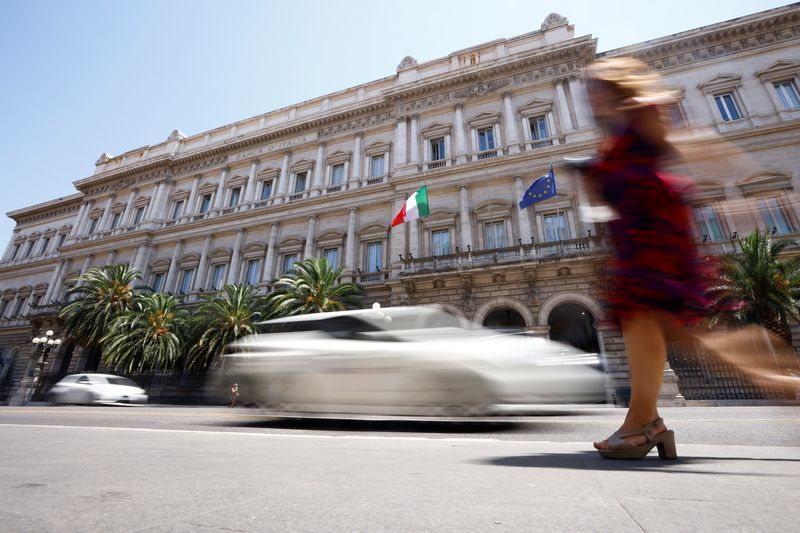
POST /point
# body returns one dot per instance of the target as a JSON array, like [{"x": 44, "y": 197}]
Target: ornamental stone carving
[
  {"x": 105, "y": 157},
  {"x": 407, "y": 62},
  {"x": 552, "y": 20},
  {"x": 176, "y": 135}
]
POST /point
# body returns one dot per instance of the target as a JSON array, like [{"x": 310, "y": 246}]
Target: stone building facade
[{"x": 242, "y": 202}]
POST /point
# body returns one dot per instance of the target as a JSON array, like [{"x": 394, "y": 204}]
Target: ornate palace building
[{"x": 243, "y": 202}]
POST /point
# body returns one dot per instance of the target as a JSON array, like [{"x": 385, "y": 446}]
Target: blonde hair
[{"x": 637, "y": 85}]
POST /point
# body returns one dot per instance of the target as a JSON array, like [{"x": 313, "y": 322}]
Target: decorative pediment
[
  {"x": 485, "y": 118},
  {"x": 768, "y": 180},
  {"x": 705, "y": 189},
  {"x": 302, "y": 165},
  {"x": 436, "y": 128},
  {"x": 189, "y": 260},
  {"x": 378, "y": 147},
  {"x": 553, "y": 20},
  {"x": 160, "y": 264},
  {"x": 537, "y": 105},
  {"x": 493, "y": 208},
  {"x": 291, "y": 242},
  {"x": 339, "y": 156},
  {"x": 373, "y": 231},
  {"x": 269, "y": 173},
  {"x": 207, "y": 188},
  {"x": 253, "y": 248},
  {"x": 180, "y": 195},
  {"x": 118, "y": 207},
  {"x": 40, "y": 287},
  {"x": 721, "y": 81},
  {"x": 105, "y": 157},
  {"x": 441, "y": 217},
  {"x": 8, "y": 293},
  {"x": 779, "y": 69},
  {"x": 331, "y": 237},
  {"x": 407, "y": 62},
  {"x": 176, "y": 135},
  {"x": 236, "y": 181},
  {"x": 219, "y": 254}
]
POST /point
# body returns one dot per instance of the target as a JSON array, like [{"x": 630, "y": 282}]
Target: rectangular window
[
  {"x": 217, "y": 277},
  {"x": 35, "y": 299},
  {"x": 115, "y": 220},
  {"x": 45, "y": 245},
  {"x": 555, "y": 227},
  {"x": 441, "y": 242},
  {"x": 4, "y": 308},
  {"x": 773, "y": 215},
  {"x": 266, "y": 190},
  {"x": 177, "y": 210},
  {"x": 332, "y": 257},
  {"x": 539, "y": 128},
  {"x": 787, "y": 94},
  {"x": 674, "y": 115},
  {"x": 288, "y": 262},
  {"x": 92, "y": 225},
  {"x": 251, "y": 275},
  {"x": 376, "y": 166},
  {"x": 337, "y": 174},
  {"x": 138, "y": 215},
  {"x": 186, "y": 280},
  {"x": 300, "y": 182},
  {"x": 437, "y": 149},
  {"x": 18, "y": 307},
  {"x": 205, "y": 203},
  {"x": 485, "y": 139},
  {"x": 158, "y": 282},
  {"x": 61, "y": 239},
  {"x": 495, "y": 235},
  {"x": 236, "y": 192},
  {"x": 707, "y": 223},
  {"x": 15, "y": 252},
  {"x": 374, "y": 256},
  {"x": 31, "y": 244},
  {"x": 727, "y": 107}
]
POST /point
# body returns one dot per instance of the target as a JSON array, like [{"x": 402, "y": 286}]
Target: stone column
[
  {"x": 563, "y": 107},
  {"x": 85, "y": 220},
  {"x": 466, "y": 219},
  {"x": 142, "y": 258},
  {"x": 152, "y": 206},
  {"x": 112, "y": 257},
  {"x": 233, "y": 271},
  {"x": 461, "y": 141},
  {"x": 414, "y": 141},
  {"x": 55, "y": 281},
  {"x": 106, "y": 217},
  {"x": 512, "y": 136},
  {"x": 87, "y": 262},
  {"x": 283, "y": 178},
  {"x": 580, "y": 102},
  {"x": 310, "y": 237},
  {"x": 269, "y": 260},
  {"x": 126, "y": 215},
  {"x": 397, "y": 237},
  {"x": 74, "y": 232},
  {"x": 350, "y": 242},
  {"x": 172, "y": 273},
  {"x": 413, "y": 237},
  {"x": 189, "y": 210},
  {"x": 220, "y": 197},
  {"x": 200, "y": 278},
  {"x": 319, "y": 166},
  {"x": 400, "y": 143},
  {"x": 251, "y": 181},
  {"x": 358, "y": 161},
  {"x": 524, "y": 219}
]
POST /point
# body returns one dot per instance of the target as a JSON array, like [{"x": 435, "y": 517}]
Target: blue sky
[{"x": 83, "y": 77}]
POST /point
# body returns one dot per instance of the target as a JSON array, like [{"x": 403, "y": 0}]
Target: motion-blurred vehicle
[
  {"x": 404, "y": 361},
  {"x": 97, "y": 388}
]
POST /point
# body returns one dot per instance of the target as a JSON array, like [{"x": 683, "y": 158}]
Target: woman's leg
[{"x": 647, "y": 352}]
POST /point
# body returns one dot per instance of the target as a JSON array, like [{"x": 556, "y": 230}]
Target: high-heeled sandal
[{"x": 619, "y": 448}]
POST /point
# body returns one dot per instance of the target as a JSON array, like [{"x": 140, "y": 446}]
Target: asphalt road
[
  {"x": 159, "y": 469},
  {"x": 744, "y": 426}
]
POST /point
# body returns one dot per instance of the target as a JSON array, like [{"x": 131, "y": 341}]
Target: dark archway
[
  {"x": 573, "y": 324},
  {"x": 504, "y": 319}
]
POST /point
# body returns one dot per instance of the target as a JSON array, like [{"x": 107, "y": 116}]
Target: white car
[
  {"x": 97, "y": 388},
  {"x": 404, "y": 361}
]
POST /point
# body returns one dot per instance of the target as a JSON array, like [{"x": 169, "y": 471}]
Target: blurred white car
[
  {"x": 405, "y": 361},
  {"x": 97, "y": 388}
]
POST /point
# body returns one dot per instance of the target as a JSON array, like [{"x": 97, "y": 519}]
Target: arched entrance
[
  {"x": 573, "y": 324},
  {"x": 504, "y": 319}
]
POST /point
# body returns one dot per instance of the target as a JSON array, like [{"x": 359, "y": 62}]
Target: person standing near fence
[{"x": 234, "y": 394}]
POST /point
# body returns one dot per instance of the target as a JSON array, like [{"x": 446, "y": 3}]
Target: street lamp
[{"x": 44, "y": 345}]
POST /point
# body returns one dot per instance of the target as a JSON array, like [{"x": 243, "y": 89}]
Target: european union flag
[{"x": 541, "y": 189}]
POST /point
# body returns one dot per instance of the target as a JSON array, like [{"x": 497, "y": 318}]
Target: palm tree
[
  {"x": 102, "y": 295},
  {"x": 755, "y": 286},
  {"x": 220, "y": 321},
  {"x": 146, "y": 336},
  {"x": 312, "y": 286}
]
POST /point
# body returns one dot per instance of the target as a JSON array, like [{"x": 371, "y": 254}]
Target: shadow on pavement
[
  {"x": 360, "y": 425},
  {"x": 590, "y": 460}
]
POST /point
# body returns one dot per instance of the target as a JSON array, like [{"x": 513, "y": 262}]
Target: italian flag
[{"x": 415, "y": 207}]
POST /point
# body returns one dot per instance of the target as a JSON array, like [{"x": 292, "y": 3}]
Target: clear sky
[{"x": 82, "y": 77}]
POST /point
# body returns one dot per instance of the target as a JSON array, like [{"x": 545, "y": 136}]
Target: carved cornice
[
  {"x": 49, "y": 209},
  {"x": 718, "y": 41}
]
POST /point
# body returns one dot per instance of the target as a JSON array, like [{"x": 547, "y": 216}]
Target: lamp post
[{"x": 43, "y": 345}]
